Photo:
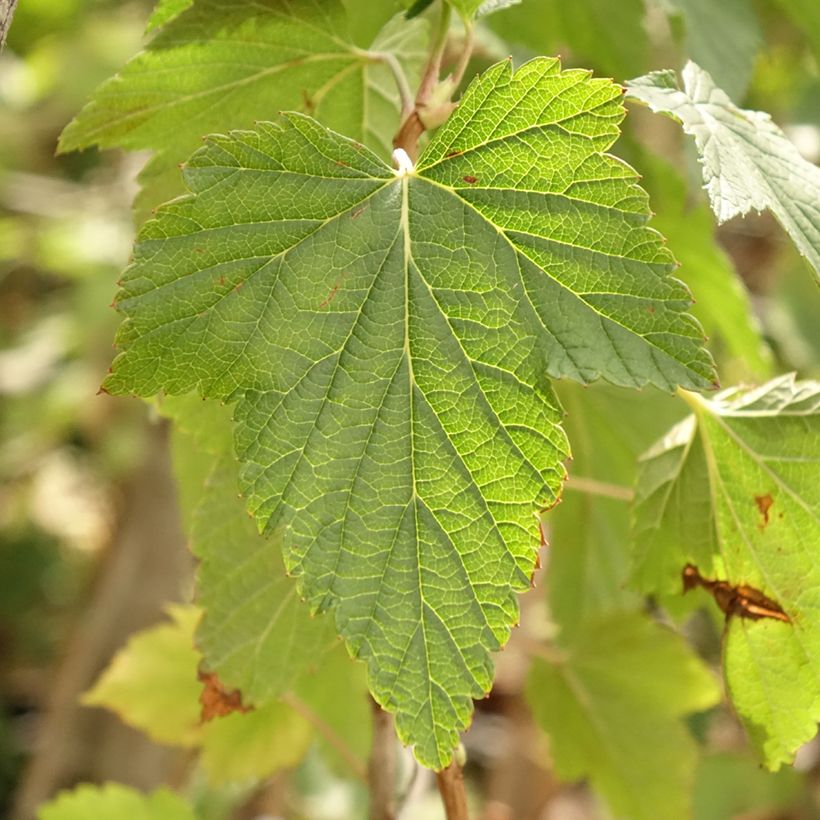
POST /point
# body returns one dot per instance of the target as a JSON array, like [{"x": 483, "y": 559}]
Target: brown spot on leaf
[
  {"x": 742, "y": 600},
  {"x": 764, "y": 504},
  {"x": 216, "y": 700},
  {"x": 470, "y": 180},
  {"x": 334, "y": 290},
  {"x": 453, "y": 154},
  {"x": 358, "y": 212}
]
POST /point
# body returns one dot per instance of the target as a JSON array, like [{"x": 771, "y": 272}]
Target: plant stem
[
  {"x": 400, "y": 78},
  {"x": 451, "y": 788},
  {"x": 381, "y": 770},
  {"x": 432, "y": 69},
  {"x": 466, "y": 53},
  {"x": 592, "y": 486},
  {"x": 328, "y": 733}
]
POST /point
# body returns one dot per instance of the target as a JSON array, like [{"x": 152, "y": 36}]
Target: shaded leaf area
[
  {"x": 748, "y": 163},
  {"x": 588, "y": 556},
  {"x": 255, "y": 633},
  {"x": 734, "y": 785},
  {"x": 419, "y": 314},
  {"x": 615, "y": 44},
  {"x": 723, "y": 305},
  {"x": 707, "y": 40},
  {"x": 806, "y": 16},
  {"x": 621, "y": 730},
  {"x": 115, "y": 802},
  {"x": 217, "y": 65},
  {"x": 153, "y": 685},
  {"x": 734, "y": 490}
]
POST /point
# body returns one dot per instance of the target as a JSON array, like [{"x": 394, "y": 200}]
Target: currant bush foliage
[{"x": 385, "y": 338}]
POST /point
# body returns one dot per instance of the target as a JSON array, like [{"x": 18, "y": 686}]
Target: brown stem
[
  {"x": 6, "y": 13},
  {"x": 381, "y": 769},
  {"x": 451, "y": 788}
]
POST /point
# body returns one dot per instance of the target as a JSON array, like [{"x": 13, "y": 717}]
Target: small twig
[
  {"x": 6, "y": 13},
  {"x": 451, "y": 788},
  {"x": 400, "y": 78},
  {"x": 432, "y": 68},
  {"x": 355, "y": 763},
  {"x": 381, "y": 770},
  {"x": 464, "y": 57},
  {"x": 592, "y": 486}
]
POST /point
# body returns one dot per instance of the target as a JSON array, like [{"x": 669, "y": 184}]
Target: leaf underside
[
  {"x": 748, "y": 163},
  {"x": 387, "y": 341},
  {"x": 735, "y": 491}
]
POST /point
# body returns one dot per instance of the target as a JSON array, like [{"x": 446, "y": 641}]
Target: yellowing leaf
[{"x": 151, "y": 683}]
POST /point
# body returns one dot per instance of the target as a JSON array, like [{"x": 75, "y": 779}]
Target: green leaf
[
  {"x": 748, "y": 162},
  {"x": 615, "y": 44},
  {"x": 589, "y": 530},
  {"x": 709, "y": 44},
  {"x": 612, "y": 704},
  {"x": 734, "y": 785},
  {"x": 152, "y": 682},
  {"x": 735, "y": 491},
  {"x": 164, "y": 11},
  {"x": 191, "y": 80},
  {"x": 255, "y": 633},
  {"x": 115, "y": 802},
  {"x": 723, "y": 304},
  {"x": 244, "y": 747},
  {"x": 489, "y": 7},
  {"x": 420, "y": 313}
]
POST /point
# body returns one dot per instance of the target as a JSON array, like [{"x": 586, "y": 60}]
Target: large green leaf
[
  {"x": 735, "y": 491},
  {"x": 612, "y": 703},
  {"x": 388, "y": 337},
  {"x": 115, "y": 802},
  {"x": 194, "y": 79},
  {"x": 748, "y": 162}
]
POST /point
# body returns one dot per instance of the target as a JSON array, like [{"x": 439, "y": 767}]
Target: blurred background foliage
[{"x": 90, "y": 544}]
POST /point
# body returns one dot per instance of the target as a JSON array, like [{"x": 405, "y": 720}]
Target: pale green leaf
[
  {"x": 735, "y": 491},
  {"x": 748, "y": 162},
  {"x": 113, "y": 801},
  {"x": 251, "y": 746},
  {"x": 722, "y": 37},
  {"x": 152, "y": 682},
  {"x": 164, "y": 11},
  {"x": 734, "y": 785},
  {"x": 255, "y": 633},
  {"x": 615, "y": 44},
  {"x": 387, "y": 338},
  {"x": 488, "y": 7},
  {"x": 589, "y": 530},
  {"x": 723, "y": 304},
  {"x": 612, "y": 705},
  {"x": 192, "y": 80}
]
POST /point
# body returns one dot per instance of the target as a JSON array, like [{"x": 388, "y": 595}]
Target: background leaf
[
  {"x": 748, "y": 162},
  {"x": 191, "y": 81},
  {"x": 152, "y": 684},
  {"x": 722, "y": 37},
  {"x": 620, "y": 730},
  {"x": 734, "y": 491},
  {"x": 115, "y": 802}
]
